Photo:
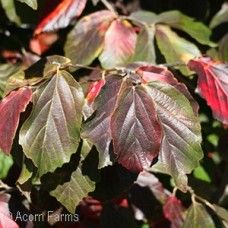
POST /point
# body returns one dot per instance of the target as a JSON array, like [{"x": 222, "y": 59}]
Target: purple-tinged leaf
[
  {"x": 61, "y": 16},
  {"x": 97, "y": 130},
  {"x": 51, "y": 134},
  {"x": 180, "y": 150},
  {"x": 10, "y": 108},
  {"x": 213, "y": 85},
  {"x": 136, "y": 131},
  {"x": 119, "y": 44},
  {"x": 86, "y": 40},
  {"x": 173, "y": 210}
]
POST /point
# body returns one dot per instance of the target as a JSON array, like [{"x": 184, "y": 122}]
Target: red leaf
[
  {"x": 119, "y": 45},
  {"x": 42, "y": 42},
  {"x": 173, "y": 210},
  {"x": 94, "y": 90},
  {"x": 136, "y": 130},
  {"x": 213, "y": 85},
  {"x": 6, "y": 219},
  {"x": 10, "y": 108},
  {"x": 61, "y": 16}
]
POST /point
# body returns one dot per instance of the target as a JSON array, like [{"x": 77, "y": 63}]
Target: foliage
[{"x": 112, "y": 113}]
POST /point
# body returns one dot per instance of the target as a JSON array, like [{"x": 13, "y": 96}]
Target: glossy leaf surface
[
  {"x": 10, "y": 108},
  {"x": 51, "y": 134}
]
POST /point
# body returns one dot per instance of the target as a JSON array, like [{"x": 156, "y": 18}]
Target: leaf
[
  {"x": 147, "y": 179},
  {"x": 197, "y": 217},
  {"x": 97, "y": 130},
  {"x": 5, "y": 165},
  {"x": 51, "y": 134},
  {"x": 135, "y": 128},
  {"x": 6, "y": 219},
  {"x": 201, "y": 174},
  {"x": 10, "y": 108},
  {"x": 94, "y": 90},
  {"x": 173, "y": 210},
  {"x": 61, "y": 16},
  {"x": 221, "y": 212},
  {"x": 213, "y": 85},
  {"x": 175, "y": 48},
  {"x": 119, "y": 44},
  {"x": 180, "y": 150},
  {"x": 196, "y": 30},
  {"x": 85, "y": 41},
  {"x": 5, "y": 71},
  {"x": 71, "y": 193},
  {"x": 9, "y": 7},
  {"x": 220, "y": 17},
  {"x": 143, "y": 16},
  {"x": 223, "y": 48},
  {"x": 31, "y": 3},
  {"x": 145, "y": 45}
]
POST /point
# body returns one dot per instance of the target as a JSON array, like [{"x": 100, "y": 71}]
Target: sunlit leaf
[
  {"x": 71, "y": 193},
  {"x": 180, "y": 151},
  {"x": 97, "y": 130},
  {"x": 197, "y": 217},
  {"x": 31, "y": 3},
  {"x": 145, "y": 45},
  {"x": 5, "y": 165},
  {"x": 119, "y": 44},
  {"x": 85, "y": 41},
  {"x": 9, "y": 7},
  {"x": 175, "y": 48},
  {"x": 10, "y": 108},
  {"x": 51, "y": 134},
  {"x": 6, "y": 219},
  {"x": 196, "y": 30},
  {"x": 136, "y": 132},
  {"x": 173, "y": 210},
  {"x": 213, "y": 85},
  {"x": 201, "y": 174},
  {"x": 61, "y": 16},
  {"x": 221, "y": 16}
]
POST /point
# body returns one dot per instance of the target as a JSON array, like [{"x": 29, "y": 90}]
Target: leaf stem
[{"x": 109, "y": 6}]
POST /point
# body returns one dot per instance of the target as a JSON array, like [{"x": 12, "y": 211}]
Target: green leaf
[
  {"x": 119, "y": 44},
  {"x": 223, "y": 48},
  {"x": 143, "y": 16},
  {"x": 9, "y": 7},
  {"x": 136, "y": 131},
  {"x": 198, "y": 217},
  {"x": 51, "y": 134},
  {"x": 201, "y": 174},
  {"x": 180, "y": 151},
  {"x": 71, "y": 193},
  {"x": 221, "y": 213},
  {"x": 220, "y": 17},
  {"x": 196, "y": 30},
  {"x": 5, "y": 71},
  {"x": 97, "y": 129},
  {"x": 31, "y": 3},
  {"x": 5, "y": 164},
  {"x": 145, "y": 45},
  {"x": 175, "y": 48},
  {"x": 85, "y": 41}
]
